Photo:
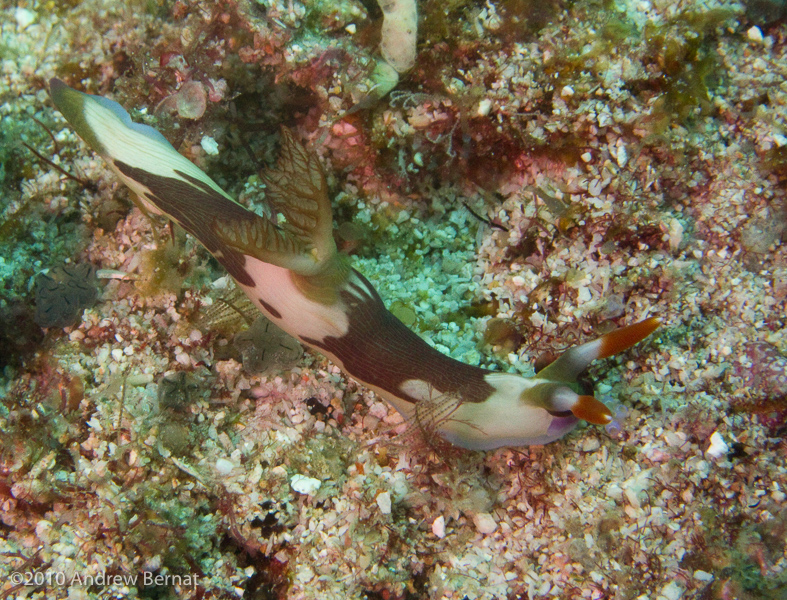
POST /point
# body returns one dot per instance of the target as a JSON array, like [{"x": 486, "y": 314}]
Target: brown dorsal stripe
[
  {"x": 380, "y": 350},
  {"x": 195, "y": 206}
]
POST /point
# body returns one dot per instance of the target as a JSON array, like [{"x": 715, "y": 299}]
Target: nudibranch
[{"x": 289, "y": 266}]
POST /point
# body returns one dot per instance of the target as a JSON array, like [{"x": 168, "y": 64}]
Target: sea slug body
[{"x": 295, "y": 276}]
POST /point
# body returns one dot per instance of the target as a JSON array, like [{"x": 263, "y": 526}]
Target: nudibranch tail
[
  {"x": 108, "y": 129},
  {"x": 575, "y": 360},
  {"x": 167, "y": 183}
]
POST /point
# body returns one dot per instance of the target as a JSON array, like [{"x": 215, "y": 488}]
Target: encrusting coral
[{"x": 63, "y": 293}]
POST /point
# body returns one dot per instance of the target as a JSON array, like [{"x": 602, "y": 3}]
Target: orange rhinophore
[{"x": 622, "y": 339}]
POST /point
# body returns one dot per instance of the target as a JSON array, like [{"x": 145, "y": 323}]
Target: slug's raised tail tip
[
  {"x": 67, "y": 100},
  {"x": 62, "y": 95},
  {"x": 56, "y": 85}
]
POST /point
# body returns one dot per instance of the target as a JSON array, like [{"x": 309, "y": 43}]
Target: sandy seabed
[{"x": 562, "y": 168}]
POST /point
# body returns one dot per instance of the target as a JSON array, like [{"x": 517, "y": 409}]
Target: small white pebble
[
  {"x": 595, "y": 188},
  {"x": 224, "y": 466},
  {"x": 222, "y": 283},
  {"x": 567, "y": 91},
  {"x": 182, "y": 357},
  {"x": 384, "y": 502},
  {"x": 675, "y": 438},
  {"x": 484, "y": 523},
  {"x": 586, "y": 157},
  {"x": 590, "y": 444},
  {"x": 305, "y": 485},
  {"x": 209, "y": 145},
  {"x": 622, "y": 156},
  {"x": 702, "y": 575},
  {"x": 718, "y": 447},
  {"x": 43, "y": 527},
  {"x": 675, "y": 231},
  {"x": 754, "y": 34},
  {"x": 351, "y": 29},
  {"x": 140, "y": 379},
  {"x": 671, "y": 591},
  {"x": 117, "y": 354},
  {"x": 484, "y": 107},
  {"x": 24, "y": 17},
  {"x": 438, "y": 527},
  {"x": 378, "y": 410}
]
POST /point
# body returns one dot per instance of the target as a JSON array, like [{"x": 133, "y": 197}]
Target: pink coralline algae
[
  {"x": 190, "y": 101},
  {"x": 765, "y": 375}
]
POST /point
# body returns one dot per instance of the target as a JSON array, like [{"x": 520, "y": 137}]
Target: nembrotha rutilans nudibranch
[{"x": 290, "y": 268}]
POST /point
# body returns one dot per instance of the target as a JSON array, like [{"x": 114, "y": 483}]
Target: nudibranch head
[
  {"x": 537, "y": 410},
  {"x": 570, "y": 364}
]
